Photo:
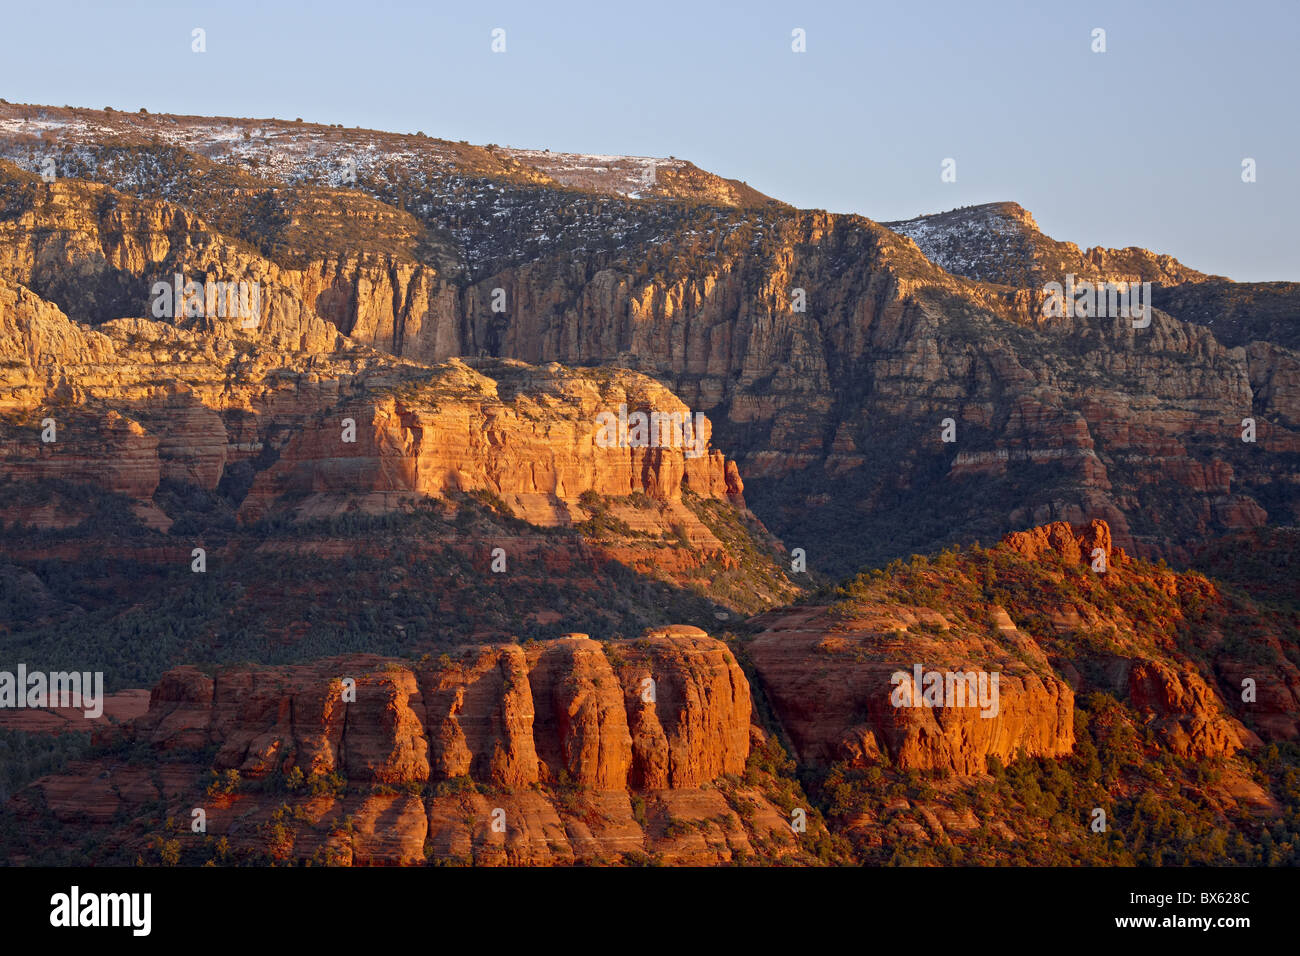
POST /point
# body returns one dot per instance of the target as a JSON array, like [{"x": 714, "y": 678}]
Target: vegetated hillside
[
  {"x": 1240, "y": 313},
  {"x": 1261, "y": 562},
  {"x": 1122, "y": 691},
  {"x": 640, "y": 177},
  {"x": 295, "y": 152}
]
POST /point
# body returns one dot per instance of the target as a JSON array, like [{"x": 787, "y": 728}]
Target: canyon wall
[{"x": 551, "y": 753}]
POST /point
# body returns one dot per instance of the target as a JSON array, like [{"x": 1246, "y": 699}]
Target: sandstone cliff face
[
  {"x": 99, "y": 254},
  {"x": 1186, "y": 712},
  {"x": 36, "y": 335},
  {"x": 528, "y": 435},
  {"x": 502, "y": 715},
  {"x": 538, "y": 446},
  {"x": 1070, "y": 544},
  {"x": 830, "y": 682},
  {"x": 1188, "y": 715},
  {"x": 553, "y": 753},
  {"x": 576, "y": 751},
  {"x": 1070, "y": 419},
  {"x": 828, "y": 670},
  {"x": 141, "y": 408}
]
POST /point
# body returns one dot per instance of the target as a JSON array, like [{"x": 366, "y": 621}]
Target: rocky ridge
[
  {"x": 1071, "y": 418},
  {"x": 559, "y": 752},
  {"x": 1001, "y": 243},
  {"x": 1107, "y": 673}
]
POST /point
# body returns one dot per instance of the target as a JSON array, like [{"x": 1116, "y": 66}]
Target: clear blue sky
[{"x": 1141, "y": 145}]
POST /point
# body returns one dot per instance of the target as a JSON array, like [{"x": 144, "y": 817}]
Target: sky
[{"x": 1140, "y": 145}]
